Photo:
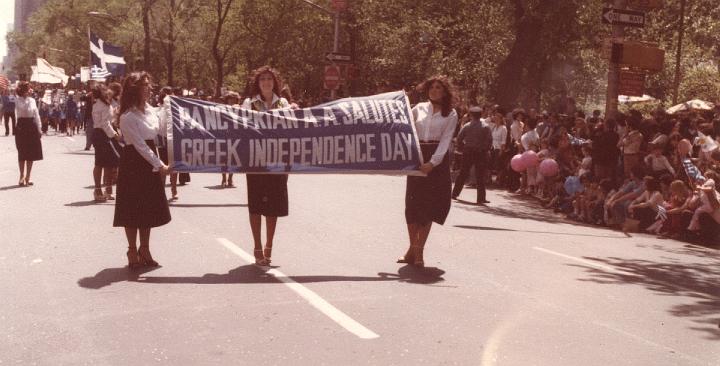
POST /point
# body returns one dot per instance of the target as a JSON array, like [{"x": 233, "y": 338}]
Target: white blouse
[
  {"x": 102, "y": 115},
  {"x": 432, "y": 126},
  {"x": 137, "y": 127},
  {"x": 26, "y": 107},
  {"x": 499, "y": 135}
]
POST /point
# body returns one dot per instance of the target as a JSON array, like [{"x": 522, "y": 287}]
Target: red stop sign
[{"x": 332, "y": 77}]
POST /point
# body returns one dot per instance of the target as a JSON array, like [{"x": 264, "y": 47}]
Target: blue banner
[{"x": 373, "y": 135}]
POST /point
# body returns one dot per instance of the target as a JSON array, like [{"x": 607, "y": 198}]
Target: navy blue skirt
[
  {"x": 27, "y": 140},
  {"x": 141, "y": 200},
  {"x": 427, "y": 199}
]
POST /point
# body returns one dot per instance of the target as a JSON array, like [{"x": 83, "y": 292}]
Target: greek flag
[
  {"x": 692, "y": 171},
  {"x": 98, "y": 73},
  {"x": 106, "y": 56}
]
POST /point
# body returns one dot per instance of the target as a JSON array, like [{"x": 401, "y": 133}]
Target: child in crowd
[{"x": 657, "y": 163}]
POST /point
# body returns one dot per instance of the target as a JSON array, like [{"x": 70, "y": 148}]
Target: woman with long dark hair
[
  {"x": 267, "y": 193},
  {"x": 141, "y": 201},
  {"x": 427, "y": 199},
  {"x": 27, "y": 133}
]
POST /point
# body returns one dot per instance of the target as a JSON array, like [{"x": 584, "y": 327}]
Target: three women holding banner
[{"x": 427, "y": 199}]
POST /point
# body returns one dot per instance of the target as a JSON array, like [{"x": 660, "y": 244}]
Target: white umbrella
[
  {"x": 624, "y": 99},
  {"x": 695, "y": 104}
]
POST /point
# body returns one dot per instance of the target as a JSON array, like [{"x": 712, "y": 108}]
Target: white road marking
[
  {"x": 70, "y": 138},
  {"x": 311, "y": 297},
  {"x": 621, "y": 272},
  {"x": 37, "y": 260}
]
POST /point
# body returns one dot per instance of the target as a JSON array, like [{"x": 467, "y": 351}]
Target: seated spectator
[
  {"x": 645, "y": 208},
  {"x": 710, "y": 202},
  {"x": 677, "y": 213},
  {"x": 657, "y": 163},
  {"x": 616, "y": 206}
]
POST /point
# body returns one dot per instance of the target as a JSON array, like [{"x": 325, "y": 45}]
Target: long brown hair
[
  {"x": 100, "y": 92},
  {"x": 448, "y": 101},
  {"x": 253, "y": 86},
  {"x": 131, "y": 92}
]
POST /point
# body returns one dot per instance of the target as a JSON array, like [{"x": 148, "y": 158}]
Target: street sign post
[
  {"x": 638, "y": 55},
  {"x": 645, "y": 5},
  {"x": 623, "y": 17},
  {"x": 337, "y": 57},
  {"x": 332, "y": 77},
  {"x": 339, "y": 5},
  {"x": 631, "y": 83}
]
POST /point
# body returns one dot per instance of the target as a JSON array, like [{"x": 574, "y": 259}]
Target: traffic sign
[
  {"x": 337, "y": 57},
  {"x": 332, "y": 77},
  {"x": 623, "y": 17},
  {"x": 639, "y": 56},
  {"x": 339, "y": 5},
  {"x": 645, "y": 4},
  {"x": 631, "y": 83}
]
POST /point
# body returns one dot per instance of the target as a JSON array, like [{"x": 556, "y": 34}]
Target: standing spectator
[
  {"x": 87, "y": 102},
  {"x": 8, "y": 111},
  {"x": 475, "y": 142},
  {"x": 631, "y": 145},
  {"x": 27, "y": 133}
]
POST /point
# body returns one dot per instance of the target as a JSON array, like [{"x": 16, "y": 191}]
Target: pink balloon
[
  {"x": 516, "y": 163},
  {"x": 549, "y": 168},
  {"x": 530, "y": 159}
]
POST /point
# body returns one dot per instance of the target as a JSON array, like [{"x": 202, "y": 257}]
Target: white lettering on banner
[
  {"x": 398, "y": 147},
  {"x": 326, "y": 150},
  {"x": 210, "y": 152}
]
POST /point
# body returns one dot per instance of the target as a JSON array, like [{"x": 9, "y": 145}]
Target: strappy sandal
[
  {"x": 418, "y": 262},
  {"x": 133, "y": 259},
  {"x": 260, "y": 260},
  {"x": 146, "y": 258},
  {"x": 99, "y": 195},
  {"x": 268, "y": 253},
  {"x": 21, "y": 182}
]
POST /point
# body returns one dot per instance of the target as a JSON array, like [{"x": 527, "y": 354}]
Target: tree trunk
[
  {"x": 147, "y": 5},
  {"x": 170, "y": 57}
]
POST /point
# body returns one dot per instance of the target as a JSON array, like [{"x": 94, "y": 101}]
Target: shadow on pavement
[
  {"x": 190, "y": 205},
  {"x": 217, "y": 187},
  {"x": 7, "y": 188},
  {"x": 250, "y": 274},
  {"x": 676, "y": 277},
  {"x": 108, "y": 276},
  {"x": 88, "y": 203},
  {"x": 471, "y": 227}
]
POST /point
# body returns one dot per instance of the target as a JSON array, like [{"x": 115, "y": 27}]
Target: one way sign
[{"x": 623, "y": 17}]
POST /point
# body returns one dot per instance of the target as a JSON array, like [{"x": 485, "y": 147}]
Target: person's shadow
[
  {"x": 108, "y": 276},
  {"x": 252, "y": 274}
]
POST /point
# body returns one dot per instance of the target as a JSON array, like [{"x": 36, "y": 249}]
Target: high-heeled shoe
[
  {"x": 408, "y": 258},
  {"x": 99, "y": 196},
  {"x": 260, "y": 259},
  {"x": 146, "y": 258},
  {"x": 418, "y": 262},
  {"x": 133, "y": 259},
  {"x": 268, "y": 253}
]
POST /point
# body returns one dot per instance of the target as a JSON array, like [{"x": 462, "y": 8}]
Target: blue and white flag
[
  {"x": 97, "y": 73},
  {"x": 692, "y": 171},
  {"x": 106, "y": 56},
  {"x": 370, "y": 135}
]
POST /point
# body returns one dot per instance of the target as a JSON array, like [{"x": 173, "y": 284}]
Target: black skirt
[
  {"x": 107, "y": 150},
  {"x": 141, "y": 200},
  {"x": 427, "y": 199},
  {"x": 27, "y": 140},
  {"x": 267, "y": 194}
]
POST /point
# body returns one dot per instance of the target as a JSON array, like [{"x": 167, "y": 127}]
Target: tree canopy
[{"x": 529, "y": 53}]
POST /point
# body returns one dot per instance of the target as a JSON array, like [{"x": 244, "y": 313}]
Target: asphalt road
[{"x": 507, "y": 284}]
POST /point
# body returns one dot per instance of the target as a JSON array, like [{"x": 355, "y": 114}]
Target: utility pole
[
  {"x": 611, "y": 102},
  {"x": 678, "y": 56}
]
